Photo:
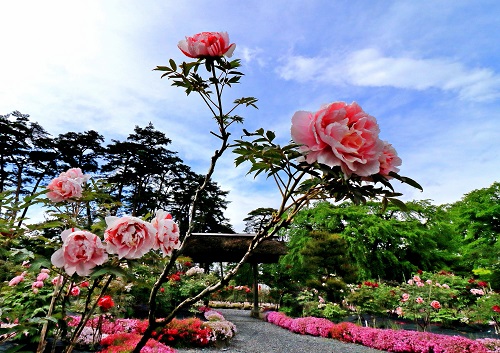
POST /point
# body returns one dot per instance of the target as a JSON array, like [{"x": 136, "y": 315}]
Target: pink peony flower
[
  {"x": 399, "y": 311},
  {"x": 419, "y": 300},
  {"x": 57, "y": 280},
  {"x": 68, "y": 185},
  {"x": 207, "y": 44},
  {"x": 16, "y": 280},
  {"x": 42, "y": 276},
  {"x": 80, "y": 253},
  {"x": 129, "y": 237},
  {"x": 76, "y": 174},
  {"x": 405, "y": 297},
  {"x": 339, "y": 134},
  {"x": 75, "y": 291},
  {"x": 435, "y": 304},
  {"x": 389, "y": 160},
  {"x": 167, "y": 233},
  {"x": 37, "y": 284},
  {"x": 63, "y": 188}
]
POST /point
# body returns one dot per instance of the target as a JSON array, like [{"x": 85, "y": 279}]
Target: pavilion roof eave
[{"x": 223, "y": 247}]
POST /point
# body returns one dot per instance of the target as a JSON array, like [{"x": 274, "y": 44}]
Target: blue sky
[{"x": 429, "y": 71}]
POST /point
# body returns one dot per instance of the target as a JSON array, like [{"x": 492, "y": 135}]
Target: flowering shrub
[
  {"x": 384, "y": 339},
  {"x": 126, "y": 342},
  {"x": 184, "y": 333}
]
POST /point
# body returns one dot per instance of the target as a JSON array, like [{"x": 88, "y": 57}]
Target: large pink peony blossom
[
  {"x": 167, "y": 233},
  {"x": 339, "y": 134},
  {"x": 129, "y": 237},
  {"x": 207, "y": 44},
  {"x": 80, "y": 253},
  {"x": 68, "y": 185}
]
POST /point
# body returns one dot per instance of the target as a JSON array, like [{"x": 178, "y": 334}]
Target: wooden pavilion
[{"x": 208, "y": 248}]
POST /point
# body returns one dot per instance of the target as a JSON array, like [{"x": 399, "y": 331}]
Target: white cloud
[{"x": 369, "y": 68}]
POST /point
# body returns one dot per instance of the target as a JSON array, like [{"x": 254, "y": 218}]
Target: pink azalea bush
[
  {"x": 126, "y": 342},
  {"x": 384, "y": 339}
]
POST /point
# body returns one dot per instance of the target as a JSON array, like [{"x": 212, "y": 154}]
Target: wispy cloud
[{"x": 370, "y": 68}]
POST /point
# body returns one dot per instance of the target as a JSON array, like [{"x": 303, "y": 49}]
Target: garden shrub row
[{"x": 400, "y": 341}]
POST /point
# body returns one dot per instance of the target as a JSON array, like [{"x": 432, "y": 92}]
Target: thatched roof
[{"x": 218, "y": 247}]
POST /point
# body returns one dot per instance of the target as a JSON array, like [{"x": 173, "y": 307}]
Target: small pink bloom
[
  {"x": 85, "y": 284},
  {"x": 417, "y": 278},
  {"x": 399, "y": 311},
  {"x": 76, "y": 174},
  {"x": 445, "y": 286},
  {"x": 26, "y": 264},
  {"x": 75, "y": 291},
  {"x": 419, "y": 300},
  {"x": 37, "y": 284},
  {"x": 57, "y": 280},
  {"x": 405, "y": 297},
  {"x": 339, "y": 134},
  {"x": 207, "y": 44},
  {"x": 80, "y": 253},
  {"x": 321, "y": 299},
  {"x": 420, "y": 284},
  {"x": 435, "y": 304},
  {"x": 45, "y": 270},
  {"x": 429, "y": 281},
  {"x": 16, "y": 280},
  {"x": 410, "y": 282},
  {"x": 477, "y": 291},
  {"x": 167, "y": 233},
  {"x": 42, "y": 276},
  {"x": 129, "y": 237}
]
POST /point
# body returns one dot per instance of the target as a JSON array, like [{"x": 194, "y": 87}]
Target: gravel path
[{"x": 257, "y": 336}]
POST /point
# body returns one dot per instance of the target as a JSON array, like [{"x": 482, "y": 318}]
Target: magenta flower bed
[{"x": 400, "y": 341}]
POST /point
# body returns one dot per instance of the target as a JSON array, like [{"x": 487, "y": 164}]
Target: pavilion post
[{"x": 255, "y": 309}]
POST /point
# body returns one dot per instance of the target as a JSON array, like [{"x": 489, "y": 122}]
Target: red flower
[
  {"x": 105, "y": 303},
  {"x": 420, "y": 272},
  {"x": 496, "y": 308},
  {"x": 472, "y": 280},
  {"x": 482, "y": 284}
]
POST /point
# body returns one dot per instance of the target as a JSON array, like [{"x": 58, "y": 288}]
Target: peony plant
[{"x": 336, "y": 153}]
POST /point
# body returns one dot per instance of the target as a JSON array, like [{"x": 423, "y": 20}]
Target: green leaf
[
  {"x": 270, "y": 135},
  {"x": 173, "y": 65}
]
